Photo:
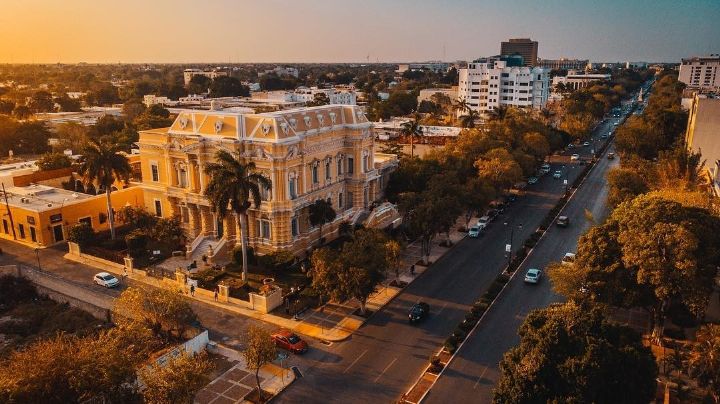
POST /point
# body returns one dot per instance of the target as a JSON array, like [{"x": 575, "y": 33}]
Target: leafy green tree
[
  {"x": 199, "y": 85},
  {"x": 176, "y": 381},
  {"x": 53, "y": 161},
  {"x": 71, "y": 135},
  {"x": 571, "y": 353},
  {"x": 321, "y": 212},
  {"x": 468, "y": 120},
  {"x": 165, "y": 313},
  {"x": 411, "y": 130},
  {"x": 68, "y": 104},
  {"x": 6, "y": 107},
  {"x": 499, "y": 168},
  {"x": 41, "y": 101},
  {"x": 237, "y": 184},
  {"x": 259, "y": 351},
  {"x": 22, "y": 112},
  {"x": 225, "y": 86},
  {"x": 102, "y": 165},
  {"x": 154, "y": 117},
  {"x": 624, "y": 184},
  {"x": 319, "y": 98},
  {"x": 704, "y": 362},
  {"x": 31, "y": 138}
]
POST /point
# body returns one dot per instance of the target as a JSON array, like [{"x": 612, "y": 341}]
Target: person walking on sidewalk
[
  {"x": 412, "y": 269},
  {"x": 215, "y": 295},
  {"x": 192, "y": 290}
]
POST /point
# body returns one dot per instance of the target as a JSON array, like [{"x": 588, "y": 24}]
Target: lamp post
[
  {"x": 37, "y": 254},
  {"x": 508, "y": 247}
]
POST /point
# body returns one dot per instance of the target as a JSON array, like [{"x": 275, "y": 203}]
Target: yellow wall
[{"x": 71, "y": 215}]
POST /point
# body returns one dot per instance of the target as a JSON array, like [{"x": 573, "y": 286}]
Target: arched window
[{"x": 292, "y": 185}]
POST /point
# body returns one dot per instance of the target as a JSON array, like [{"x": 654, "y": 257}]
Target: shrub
[
  {"x": 502, "y": 278},
  {"x": 15, "y": 289},
  {"x": 238, "y": 258},
  {"x": 136, "y": 242},
  {"x": 494, "y": 289},
  {"x": 435, "y": 365},
  {"x": 451, "y": 344},
  {"x": 280, "y": 260},
  {"x": 53, "y": 161},
  {"x": 81, "y": 233},
  {"x": 479, "y": 308},
  {"x": 459, "y": 334}
]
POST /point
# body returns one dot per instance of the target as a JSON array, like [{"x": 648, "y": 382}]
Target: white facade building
[
  {"x": 434, "y": 66},
  {"x": 152, "y": 99},
  {"x": 486, "y": 86},
  {"x": 336, "y": 96},
  {"x": 283, "y": 71},
  {"x": 701, "y": 73},
  {"x": 427, "y": 93},
  {"x": 579, "y": 80}
]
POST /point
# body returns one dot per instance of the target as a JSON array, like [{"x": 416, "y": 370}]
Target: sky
[{"x": 296, "y": 31}]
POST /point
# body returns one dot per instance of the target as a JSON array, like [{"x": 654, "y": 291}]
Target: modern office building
[
  {"x": 524, "y": 47},
  {"x": 488, "y": 85},
  {"x": 703, "y": 135},
  {"x": 563, "y": 64},
  {"x": 325, "y": 152},
  {"x": 701, "y": 73}
]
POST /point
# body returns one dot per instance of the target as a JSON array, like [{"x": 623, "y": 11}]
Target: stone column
[
  {"x": 230, "y": 227},
  {"x": 206, "y": 220},
  {"x": 192, "y": 222},
  {"x": 191, "y": 175}
]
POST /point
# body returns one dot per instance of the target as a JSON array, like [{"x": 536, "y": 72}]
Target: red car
[{"x": 287, "y": 340}]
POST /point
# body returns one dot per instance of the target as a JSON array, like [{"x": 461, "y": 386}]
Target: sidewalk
[
  {"x": 333, "y": 322},
  {"x": 238, "y": 381}
]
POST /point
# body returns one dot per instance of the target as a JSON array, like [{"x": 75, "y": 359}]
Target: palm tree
[
  {"x": 321, "y": 212},
  {"x": 462, "y": 104},
  {"x": 411, "y": 129},
  {"x": 102, "y": 165},
  {"x": 499, "y": 113},
  {"x": 704, "y": 364},
  {"x": 468, "y": 120},
  {"x": 236, "y": 185}
]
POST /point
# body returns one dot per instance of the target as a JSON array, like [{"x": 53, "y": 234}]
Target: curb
[{"x": 572, "y": 194}]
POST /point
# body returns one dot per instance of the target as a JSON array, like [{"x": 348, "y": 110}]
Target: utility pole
[{"x": 9, "y": 212}]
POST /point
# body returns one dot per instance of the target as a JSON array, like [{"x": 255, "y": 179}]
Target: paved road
[
  {"x": 380, "y": 362},
  {"x": 472, "y": 375}
]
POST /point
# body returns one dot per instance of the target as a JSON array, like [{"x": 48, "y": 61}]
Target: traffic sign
[
  {"x": 564, "y": 182},
  {"x": 508, "y": 247}
]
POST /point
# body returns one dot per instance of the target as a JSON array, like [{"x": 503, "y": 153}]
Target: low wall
[
  {"x": 266, "y": 303},
  {"x": 192, "y": 346},
  {"x": 63, "y": 291}
]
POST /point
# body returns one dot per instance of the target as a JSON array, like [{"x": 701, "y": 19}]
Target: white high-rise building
[
  {"x": 701, "y": 73},
  {"x": 487, "y": 85}
]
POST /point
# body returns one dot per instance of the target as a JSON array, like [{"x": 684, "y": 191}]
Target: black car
[{"x": 418, "y": 312}]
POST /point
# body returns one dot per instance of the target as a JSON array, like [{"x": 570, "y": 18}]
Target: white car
[
  {"x": 557, "y": 174},
  {"x": 533, "y": 275},
  {"x": 105, "y": 279},
  {"x": 532, "y": 180},
  {"x": 586, "y": 144},
  {"x": 575, "y": 157},
  {"x": 568, "y": 259},
  {"x": 474, "y": 232},
  {"x": 483, "y": 222}
]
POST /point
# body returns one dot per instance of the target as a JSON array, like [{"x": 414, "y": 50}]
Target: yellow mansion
[{"x": 324, "y": 152}]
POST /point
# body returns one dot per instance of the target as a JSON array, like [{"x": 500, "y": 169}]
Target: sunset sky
[{"x": 131, "y": 31}]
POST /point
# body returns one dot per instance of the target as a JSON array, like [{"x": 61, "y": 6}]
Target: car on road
[
  {"x": 611, "y": 156},
  {"x": 533, "y": 275},
  {"x": 562, "y": 221},
  {"x": 492, "y": 214},
  {"x": 586, "y": 144},
  {"x": 418, "y": 312},
  {"x": 287, "y": 340},
  {"x": 557, "y": 174},
  {"x": 532, "y": 180},
  {"x": 545, "y": 168},
  {"x": 105, "y": 279},
  {"x": 568, "y": 259},
  {"x": 604, "y": 136},
  {"x": 483, "y": 222},
  {"x": 574, "y": 157},
  {"x": 570, "y": 146},
  {"x": 474, "y": 232}
]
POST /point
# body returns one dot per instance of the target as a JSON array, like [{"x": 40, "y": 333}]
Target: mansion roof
[{"x": 286, "y": 126}]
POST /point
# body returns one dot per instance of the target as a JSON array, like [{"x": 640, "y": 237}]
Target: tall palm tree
[
  {"x": 101, "y": 166},
  {"x": 499, "y": 113},
  {"x": 412, "y": 129},
  {"x": 468, "y": 120},
  {"x": 462, "y": 105},
  {"x": 235, "y": 184}
]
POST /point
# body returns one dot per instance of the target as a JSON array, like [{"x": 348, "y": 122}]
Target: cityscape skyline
[{"x": 174, "y": 32}]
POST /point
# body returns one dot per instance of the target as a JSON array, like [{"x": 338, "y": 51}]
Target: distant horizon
[{"x": 374, "y": 31}]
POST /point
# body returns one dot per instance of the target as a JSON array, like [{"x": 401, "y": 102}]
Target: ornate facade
[{"x": 324, "y": 152}]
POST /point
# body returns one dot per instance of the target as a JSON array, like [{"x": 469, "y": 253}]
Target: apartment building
[
  {"x": 524, "y": 47},
  {"x": 188, "y": 74},
  {"x": 563, "y": 64},
  {"x": 701, "y": 73},
  {"x": 489, "y": 84},
  {"x": 577, "y": 81},
  {"x": 325, "y": 152}
]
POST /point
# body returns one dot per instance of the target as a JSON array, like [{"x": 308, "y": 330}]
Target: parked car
[
  {"x": 586, "y": 144},
  {"x": 492, "y": 214},
  {"x": 611, "y": 156},
  {"x": 570, "y": 146},
  {"x": 533, "y": 275},
  {"x": 498, "y": 205},
  {"x": 557, "y": 174},
  {"x": 285, "y": 339},
  {"x": 574, "y": 157},
  {"x": 474, "y": 232},
  {"x": 483, "y": 222},
  {"x": 563, "y": 221},
  {"x": 545, "y": 168},
  {"x": 418, "y": 312},
  {"x": 532, "y": 180},
  {"x": 105, "y": 279},
  {"x": 568, "y": 259},
  {"x": 604, "y": 136}
]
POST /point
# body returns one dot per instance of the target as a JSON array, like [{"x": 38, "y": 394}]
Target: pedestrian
[
  {"x": 125, "y": 273},
  {"x": 412, "y": 269},
  {"x": 192, "y": 290},
  {"x": 215, "y": 294}
]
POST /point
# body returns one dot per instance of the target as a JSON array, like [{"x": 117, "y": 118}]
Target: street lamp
[
  {"x": 508, "y": 247},
  {"x": 37, "y": 254}
]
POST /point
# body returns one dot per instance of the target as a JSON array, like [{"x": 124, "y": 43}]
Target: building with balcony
[
  {"x": 325, "y": 152},
  {"x": 701, "y": 73},
  {"x": 702, "y": 136},
  {"x": 487, "y": 85},
  {"x": 563, "y": 64},
  {"x": 576, "y": 81}
]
